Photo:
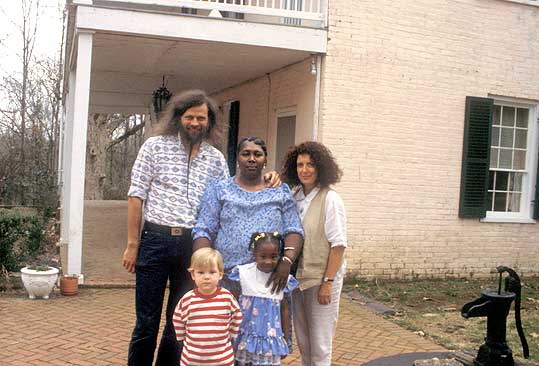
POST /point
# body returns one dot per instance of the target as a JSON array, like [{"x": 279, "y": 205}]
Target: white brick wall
[{"x": 394, "y": 84}]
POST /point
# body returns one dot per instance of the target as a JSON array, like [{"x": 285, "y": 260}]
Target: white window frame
[
  {"x": 525, "y": 2},
  {"x": 525, "y": 216},
  {"x": 286, "y": 112}
]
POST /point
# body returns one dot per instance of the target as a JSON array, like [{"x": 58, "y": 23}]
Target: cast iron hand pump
[{"x": 495, "y": 305}]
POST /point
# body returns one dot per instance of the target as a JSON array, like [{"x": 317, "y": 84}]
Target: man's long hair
[{"x": 169, "y": 121}]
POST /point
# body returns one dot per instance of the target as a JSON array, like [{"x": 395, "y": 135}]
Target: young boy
[{"x": 208, "y": 317}]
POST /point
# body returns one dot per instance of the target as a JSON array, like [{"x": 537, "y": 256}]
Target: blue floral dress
[
  {"x": 261, "y": 340},
  {"x": 229, "y": 215}
]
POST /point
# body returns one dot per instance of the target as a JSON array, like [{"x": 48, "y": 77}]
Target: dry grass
[{"x": 433, "y": 308}]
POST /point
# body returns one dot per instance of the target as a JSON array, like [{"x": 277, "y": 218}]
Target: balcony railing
[{"x": 303, "y": 13}]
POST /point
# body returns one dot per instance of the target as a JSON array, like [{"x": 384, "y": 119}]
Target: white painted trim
[
  {"x": 60, "y": 161},
  {"x": 207, "y": 5},
  {"x": 200, "y": 28},
  {"x": 534, "y": 160},
  {"x": 77, "y": 158},
  {"x": 251, "y": 9},
  {"x": 524, "y": 2},
  {"x": 74, "y": 45},
  {"x": 316, "y": 105},
  {"x": 528, "y": 193},
  {"x": 286, "y": 112},
  {"x": 516, "y": 102},
  {"x": 509, "y": 220},
  {"x": 324, "y": 4},
  {"x": 68, "y": 147}
]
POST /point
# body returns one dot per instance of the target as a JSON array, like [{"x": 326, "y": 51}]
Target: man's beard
[{"x": 193, "y": 138}]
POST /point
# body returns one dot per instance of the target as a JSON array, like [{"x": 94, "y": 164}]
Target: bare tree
[
  {"x": 111, "y": 149},
  {"x": 30, "y": 127},
  {"x": 100, "y": 129},
  {"x": 28, "y": 31},
  {"x": 29, "y": 119}
]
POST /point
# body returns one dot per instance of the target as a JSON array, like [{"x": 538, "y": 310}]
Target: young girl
[{"x": 265, "y": 328}]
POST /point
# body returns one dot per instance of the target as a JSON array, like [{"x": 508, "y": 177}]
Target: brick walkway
[{"x": 93, "y": 328}]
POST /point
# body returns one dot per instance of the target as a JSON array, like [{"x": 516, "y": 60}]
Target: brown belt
[{"x": 167, "y": 230}]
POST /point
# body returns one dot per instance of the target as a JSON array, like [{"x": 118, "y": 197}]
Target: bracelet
[{"x": 285, "y": 258}]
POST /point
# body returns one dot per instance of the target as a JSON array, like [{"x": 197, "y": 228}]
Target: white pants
[{"x": 315, "y": 324}]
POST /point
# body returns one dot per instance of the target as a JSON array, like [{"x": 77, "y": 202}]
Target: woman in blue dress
[
  {"x": 262, "y": 339},
  {"x": 233, "y": 208}
]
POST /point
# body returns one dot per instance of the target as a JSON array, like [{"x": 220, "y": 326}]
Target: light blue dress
[
  {"x": 261, "y": 340},
  {"x": 229, "y": 215}
]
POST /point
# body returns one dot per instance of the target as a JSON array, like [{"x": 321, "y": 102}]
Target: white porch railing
[
  {"x": 307, "y": 9},
  {"x": 291, "y": 12}
]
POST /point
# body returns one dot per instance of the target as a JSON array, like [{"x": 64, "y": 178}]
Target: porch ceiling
[{"x": 126, "y": 69}]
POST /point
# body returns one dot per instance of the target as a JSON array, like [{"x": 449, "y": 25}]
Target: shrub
[{"x": 21, "y": 237}]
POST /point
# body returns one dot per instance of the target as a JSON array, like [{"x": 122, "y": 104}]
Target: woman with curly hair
[{"x": 310, "y": 169}]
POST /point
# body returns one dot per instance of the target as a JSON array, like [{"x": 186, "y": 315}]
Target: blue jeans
[{"x": 161, "y": 258}]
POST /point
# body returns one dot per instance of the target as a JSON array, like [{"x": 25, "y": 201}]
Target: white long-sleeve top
[{"x": 335, "y": 224}]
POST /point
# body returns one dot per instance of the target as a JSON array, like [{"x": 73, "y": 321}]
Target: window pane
[
  {"x": 519, "y": 162},
  {"x": 501, "y": 181},
  {"x": 505, "y": 159},
  {"x": 489, "y": 201},
  {"x": 499, "y": 201},
  {"x": 520, "y": 138},
  {"x": 507, "y": 137},
  {"x": 515, "y": 183},
  {"x": 514, "y": 202},
  {"x": 491, "y": 176},
  {"x": 508, "y": 116},
  {"x": 496, "y": 115},
  {"x": 522, "y": 117},
  {"x": 495, "y": 139},
  {"x": 494, "y": 158}
]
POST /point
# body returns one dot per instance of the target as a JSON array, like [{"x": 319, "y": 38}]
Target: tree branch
[{"x": 126, "y": 135}]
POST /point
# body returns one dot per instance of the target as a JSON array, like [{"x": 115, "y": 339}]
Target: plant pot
[
  {"x": 39, "y": 283},
  {"x": 69, "y": 285}
]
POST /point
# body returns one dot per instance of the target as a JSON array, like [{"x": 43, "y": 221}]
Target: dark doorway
[
  {"x": 286, "y": 136},
  {"x": 233, "y": 129}
]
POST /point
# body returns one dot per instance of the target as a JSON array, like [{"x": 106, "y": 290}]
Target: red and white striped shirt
[{"x": 206, "y": 324}]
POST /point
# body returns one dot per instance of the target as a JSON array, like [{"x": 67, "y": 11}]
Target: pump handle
[{"x": 512, "y": 284}]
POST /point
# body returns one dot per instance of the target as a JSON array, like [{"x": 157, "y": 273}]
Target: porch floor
[{"x": 103, "y": 244}]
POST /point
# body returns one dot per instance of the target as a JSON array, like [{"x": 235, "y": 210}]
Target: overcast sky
[{"x": 48, "y": 37}]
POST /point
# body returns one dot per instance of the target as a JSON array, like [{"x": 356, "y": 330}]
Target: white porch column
[
  {"x": 60, "y": 158},
  {"x": 77, "y": 160},
  {"x": 67, "y": 147}
]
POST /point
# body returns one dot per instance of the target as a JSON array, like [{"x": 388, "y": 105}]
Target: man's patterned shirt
[{"x": 159, "y": 177}]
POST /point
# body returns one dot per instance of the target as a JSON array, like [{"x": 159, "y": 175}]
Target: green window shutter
[
  {"x": 475, "y": 157},
  {"x": 536, "y": 203}
]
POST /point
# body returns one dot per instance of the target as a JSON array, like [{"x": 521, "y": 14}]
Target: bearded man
[{"x": 168, "y": 179}]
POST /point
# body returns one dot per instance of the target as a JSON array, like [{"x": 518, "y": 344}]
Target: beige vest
[{"x": 312, "y": 263}]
